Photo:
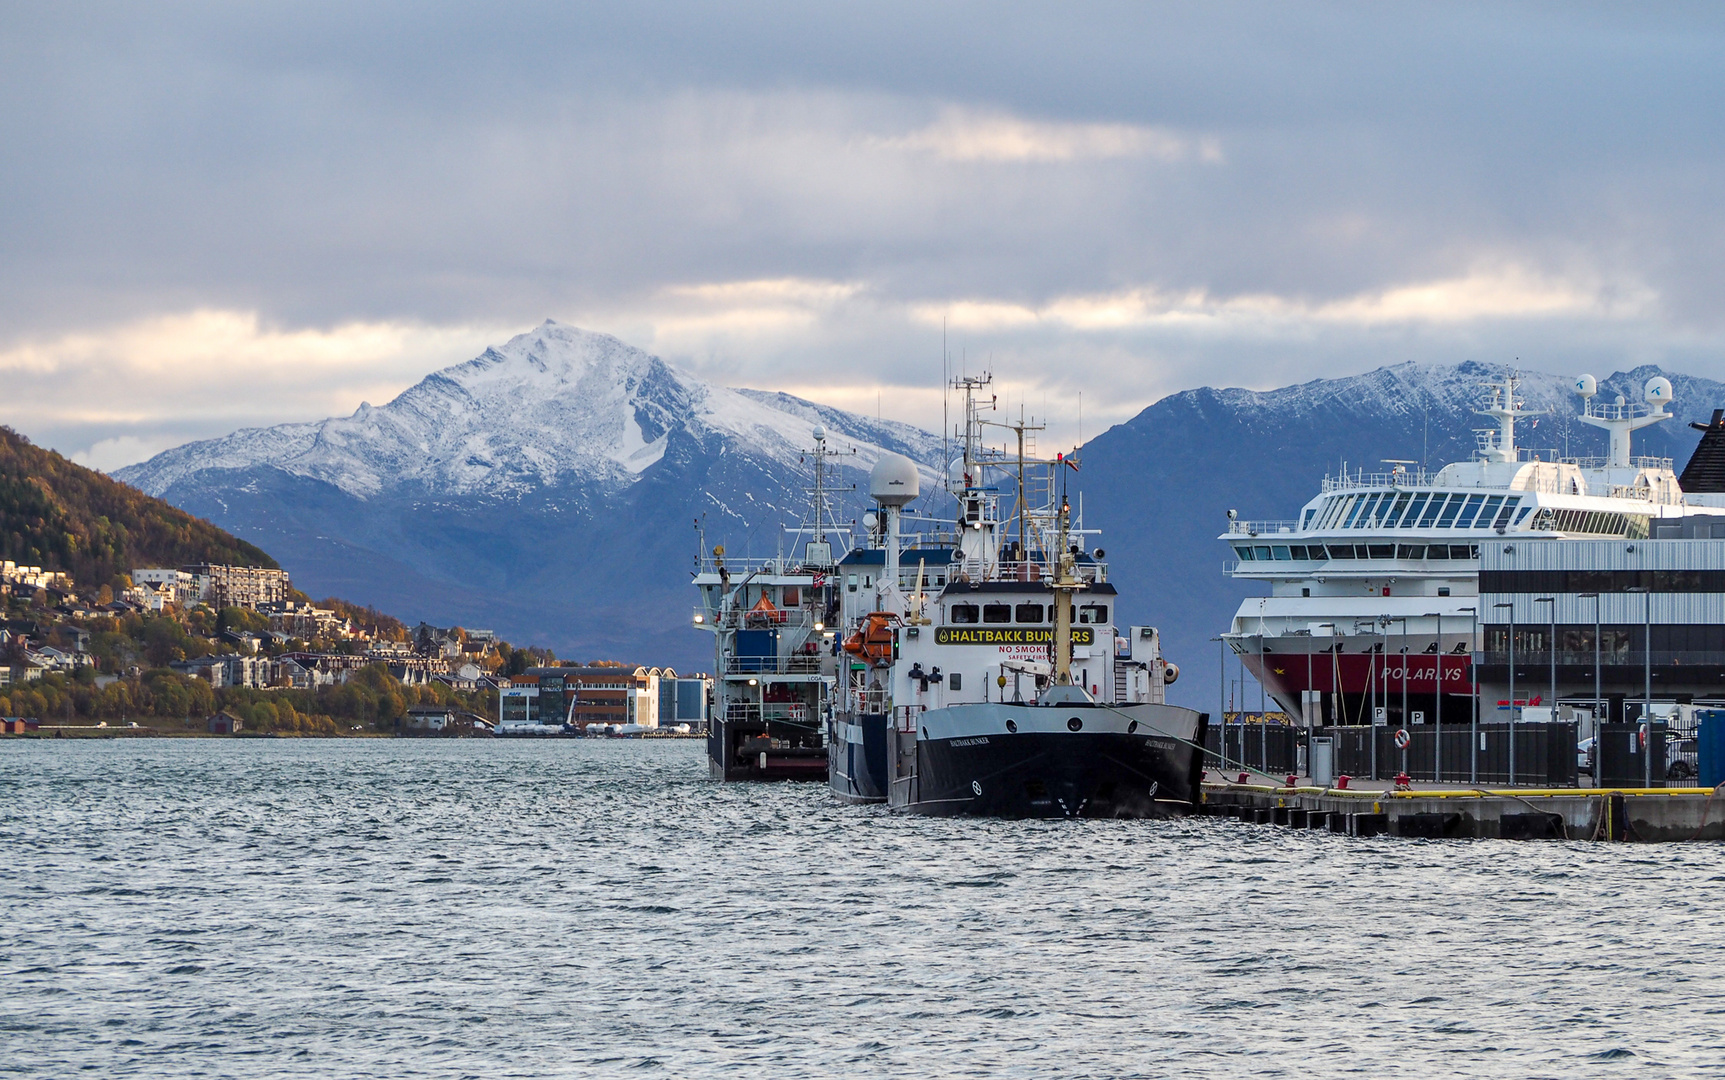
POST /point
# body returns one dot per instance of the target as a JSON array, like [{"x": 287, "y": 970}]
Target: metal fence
[{"x": 1545, "y": 753}]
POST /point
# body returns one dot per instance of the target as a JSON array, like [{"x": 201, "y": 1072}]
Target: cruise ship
[{"x": 1374, "y": 588}]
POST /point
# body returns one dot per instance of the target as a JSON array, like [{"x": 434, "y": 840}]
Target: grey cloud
[{"x": 499, "y": 164}]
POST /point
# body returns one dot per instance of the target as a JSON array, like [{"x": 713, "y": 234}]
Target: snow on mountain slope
[{"x": 552, "y": 406}]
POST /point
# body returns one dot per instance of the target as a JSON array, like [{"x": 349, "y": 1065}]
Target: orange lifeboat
[{"x": 873, "y": 641}]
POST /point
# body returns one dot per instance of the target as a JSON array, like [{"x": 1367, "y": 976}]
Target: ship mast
[{"x": 1066, "y": 586}]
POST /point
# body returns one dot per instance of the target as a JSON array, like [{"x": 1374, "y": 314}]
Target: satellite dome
[
  {"x": 893, "y": 481},
  {"x": 955, "y": 473},
  {"x": 1658, "y": 390},
  {"x": 820, "y": 433},
  {"x": 1585, "y": 385}
]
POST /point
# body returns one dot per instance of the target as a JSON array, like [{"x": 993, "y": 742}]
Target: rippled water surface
[{"x": 466, "y": 908}]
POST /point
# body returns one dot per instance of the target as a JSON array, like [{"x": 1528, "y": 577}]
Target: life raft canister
[{"x": 873, "y": 641}]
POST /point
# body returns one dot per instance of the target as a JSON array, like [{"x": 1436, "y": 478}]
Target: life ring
[{"x": 873, "y": 641}]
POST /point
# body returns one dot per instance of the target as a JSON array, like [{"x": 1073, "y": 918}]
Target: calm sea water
[{"x": 480, "y": 909}]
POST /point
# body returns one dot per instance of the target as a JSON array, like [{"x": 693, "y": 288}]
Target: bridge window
[
  {"x": 1093, "y": 614},
  {"x": 1027, "y": 613},
  {"x": 997, "y": 613},
  {"x": 1432, "y": 509},
  {"x": 964, "y": 613},
  {"x": 1412, "y": 517}
]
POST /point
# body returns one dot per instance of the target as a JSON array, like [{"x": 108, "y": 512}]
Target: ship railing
[
  {"x": 741, "y": 568},
  {"x": 1605, "y": 463},
  {"x": 870, "y": 701},
  {"x": 1398, "y": 478},
  {"x": 795, "y": 664},
  {"x": 750, "y": 619},
  {"x": 1262, "y": 528},
  {"x": 751, "y": 711}
]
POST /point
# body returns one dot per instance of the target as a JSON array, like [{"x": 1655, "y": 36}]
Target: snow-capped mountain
[
  {"x": 555, "y": 406},
  {"x": 548, "y": 488}
]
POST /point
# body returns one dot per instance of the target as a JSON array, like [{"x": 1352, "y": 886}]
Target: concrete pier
[{"x": 1632, "y": 815}]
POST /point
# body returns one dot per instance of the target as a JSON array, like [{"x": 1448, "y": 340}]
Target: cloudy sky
[{"x": 228, "y": 215}]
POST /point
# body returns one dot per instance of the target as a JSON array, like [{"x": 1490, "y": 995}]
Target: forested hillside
[{"x": 58, "y": 514}]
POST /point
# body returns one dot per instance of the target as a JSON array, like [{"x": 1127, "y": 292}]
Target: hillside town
[{"x": 242, "y": 645}]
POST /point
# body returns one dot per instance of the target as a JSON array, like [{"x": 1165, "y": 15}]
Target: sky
[{"x": 219, "y": 216}]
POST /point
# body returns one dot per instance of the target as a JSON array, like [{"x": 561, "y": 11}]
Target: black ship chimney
[{"x": 1705, "y": 472}]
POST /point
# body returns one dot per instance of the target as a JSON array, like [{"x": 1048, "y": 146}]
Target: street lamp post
[
  {"x": 1437, "y": 701},
  {"x": 1403, "y": 619},
  {"x": 1511, "y": 608},
  {"x": 1598, "y": 701},
  {"x": 1473, "y": 698},
  {"x": 1552, "y": 645}
]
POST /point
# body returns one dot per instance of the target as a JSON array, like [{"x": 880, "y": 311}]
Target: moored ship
[
  {"x": 1373, "y": 612},
  {"x": 979, "y": 670}
]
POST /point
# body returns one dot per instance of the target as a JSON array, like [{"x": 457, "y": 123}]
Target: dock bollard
[
  {"x": 1293, "y": 781},
  {"x": 1243, "y": 778},
  {"x": 1342, "y": 782},
  {"x": 1403, "y": 781}
]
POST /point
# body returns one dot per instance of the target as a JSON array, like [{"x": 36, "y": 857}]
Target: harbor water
[{"x": 431, "y": 908}]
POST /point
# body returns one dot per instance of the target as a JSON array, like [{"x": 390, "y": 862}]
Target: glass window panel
[
  {"x": 1280, "y": 551},
  {"x": 1449, "y": 511},
  {"x": 1354, "y": 514},
  {"x": 1261, "y": 553},
  {"x": 1489, "y": 514},
  {"x": 1244, "y": 552},
  {"x": 1396, "y": 511},
  {"x": 1411, "y": 518},
  {"x": 1027, "y": 613},
  {"x": 996, "y": 613},
  {"x": 1432, "y": 509},
  {"x": 1464, "y": 520},
  {"x": 1503, "y": 515}
]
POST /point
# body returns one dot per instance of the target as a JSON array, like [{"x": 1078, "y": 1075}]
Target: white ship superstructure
[{"x": 1374, "y": 587}]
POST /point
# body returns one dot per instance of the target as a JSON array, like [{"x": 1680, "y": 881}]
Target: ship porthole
[
  {"x": 1133, "y": 726},
  {"x": 1074, "y": 724},
  {"x": 1012, "y": 726},
  {"x": 976, "y": 787}
]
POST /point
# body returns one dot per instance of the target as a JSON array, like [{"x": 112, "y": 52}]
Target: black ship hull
[
  {"x": 857, "y": 759},
  {"x": 740, "y": 750},
  {"x": 1043, "y": 770}
]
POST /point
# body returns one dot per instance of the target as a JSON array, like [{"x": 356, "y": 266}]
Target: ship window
[
  {"x": 1332, "y": 509},
  {"x": 1027, "y": 613},
  {"x": 1522, "y": 514},
  {"x": 1381, "y": 551},
  {"x": 1432, "y": 509},
  {"x": 964, "y": 613},
  {"x": 996, "y": 613},
  {"x": 1354, "y": 514},
  {"x": 1341, "y": 551},
  {"x": 955, "y": 680},
  {"x": 1437, "y": 551},
  {"x": 1394, "y": 515},
  {"x": 1280, "y": 551},
  {"x": 1306, "y": 519},
  {"x": 793, "y": 596},
  {"x": 1411, "y": 551},
  {"x": 1244, "y": 552},
  {"x": 1508, "y": 509},
  {"x": 1466, "y": 517},
  {"x": 1443, "y": 590},
  {"x": 1489, "y": 514},
  {"x": 1413, "y": 515},
  {"x": 851, "y": 582},
  {"x": 1447, "y": 518},
  {"x": 1093, "y": 614},
  {"x": 1261, "y": 553},
  {"x": 1298, "y": 551}
]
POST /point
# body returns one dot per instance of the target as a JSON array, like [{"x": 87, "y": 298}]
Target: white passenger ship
[{"x": 1374, "y": 587}]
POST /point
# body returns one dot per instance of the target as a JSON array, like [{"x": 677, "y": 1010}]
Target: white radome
[
  {"x": 1586, "y": 385},
  {"x": 1659, "y": 390},
  {"x": 894, "y": 481}
]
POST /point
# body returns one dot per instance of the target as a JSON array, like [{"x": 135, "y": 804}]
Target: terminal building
[{"x": 1605, "y": 626}]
